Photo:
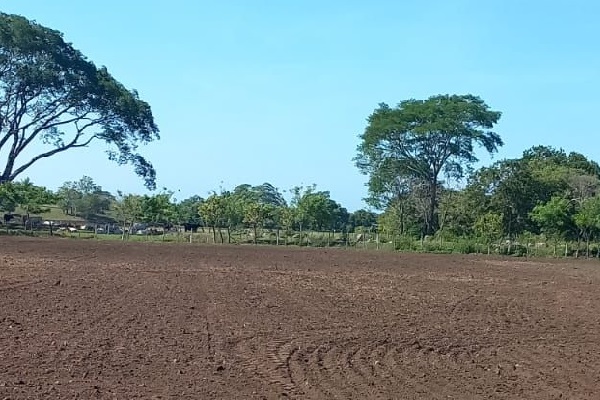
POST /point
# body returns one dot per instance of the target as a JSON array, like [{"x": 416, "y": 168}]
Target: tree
[
  {"x": 128, "y": 211},
  {"x": 315, "y": 209},
  {"x": 33, "y": 199},
  {"x": 255, "y": 214},
  {"x": 187, "y": 212},
  {"x": 9, "y": 197},
  {"x": 158, "y": 210},
  {"x": 84, "y": 198},
  {"x": 29, "y": 197},
  {"x": 52, "y": 97},
  {"x": 212, "y": 211},
  {"x": 390, "y": 222},
  {"x": 555, "y": 218},
  {"x": 489, "y": 227},
  {"x": 424, "y": 139},
  {"x": 233, "y": 211},
  {"x": 68, "y": 198},
  {"x": 287, "y": 218},
  {"x": 509, "y": 188},
  {"x": 362, "y": 218},
  {"x": 266, "y": 194},
  {"x": 587, "y": 220}
]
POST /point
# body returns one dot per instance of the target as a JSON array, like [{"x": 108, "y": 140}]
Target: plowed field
[{"x": 87, "y": 319}]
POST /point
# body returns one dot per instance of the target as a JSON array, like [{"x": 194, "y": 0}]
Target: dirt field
[{"x": 86, "y": 319}]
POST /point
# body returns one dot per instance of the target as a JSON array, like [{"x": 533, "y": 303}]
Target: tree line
[
  {"x": 245, "y": 206},
  {"x": 418, "y": 155},
  {"x": 544, "y": 195}
]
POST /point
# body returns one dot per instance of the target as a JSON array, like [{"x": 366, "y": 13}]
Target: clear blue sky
[{"x": 278, "y": 91}]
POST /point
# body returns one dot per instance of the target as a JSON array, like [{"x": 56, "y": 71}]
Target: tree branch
[
  {"x": 23, "y": 143},
  {"x": 49, "y": 112},
  {"x": 71, "y": 145}
]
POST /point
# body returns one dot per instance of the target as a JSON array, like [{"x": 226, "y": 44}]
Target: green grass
[{"x": 55, "y": 213}]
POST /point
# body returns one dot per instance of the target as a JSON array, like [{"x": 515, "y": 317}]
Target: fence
[{"x": 527, "y": 247}]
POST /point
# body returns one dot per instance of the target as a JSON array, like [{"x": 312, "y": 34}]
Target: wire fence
[{"x": 531, "y": 246}]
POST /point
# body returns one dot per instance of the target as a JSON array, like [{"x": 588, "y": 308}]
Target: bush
[
  {"x": 466, "y": 246},
  {"x": 406, "y": 243}
]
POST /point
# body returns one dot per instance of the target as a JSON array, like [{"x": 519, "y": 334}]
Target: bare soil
[{"x": 87, "y": 319}]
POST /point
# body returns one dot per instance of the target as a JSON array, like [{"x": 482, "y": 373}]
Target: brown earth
[{"x": 86, "y": 319}]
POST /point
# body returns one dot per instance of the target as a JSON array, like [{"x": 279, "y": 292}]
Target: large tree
[
  {"x": 84, "y": 198},
  {"x": 424, "y": 140},
  {"x": 52, "y": 98}
]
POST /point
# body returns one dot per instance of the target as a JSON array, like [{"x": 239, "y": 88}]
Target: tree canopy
[
  {"x": 52, "y": 95},
  {"x": 420, "y": 140}
]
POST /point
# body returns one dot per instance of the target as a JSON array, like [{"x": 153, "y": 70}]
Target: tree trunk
[
  {"x": 221, "y": 235},
  {"x": 10, "y": 164},
  {"x": 431, "y": 224},
  {"x": 229, "y": 234},
  {"x": 300, "y": 242},
  {"x": 255, "y": 233},
  {"x": 401, "y": 218},
  {"x": 214, "y": 229},
  {"x": 587, "y": 247}
]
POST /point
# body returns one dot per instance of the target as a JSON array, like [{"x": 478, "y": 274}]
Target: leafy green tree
[
  {"x": 128, "y": 210},
  {"x": 458, "y": 211},
  {"x": 362, "y": 218},
  {"x": 390, "y": 222},
  {"x": 9, "y": 197},
  {"x": 33, "y": 199},
  {"x": 489, "y": 228},
  {"x": 212, "y": 211},
  {"x": 551, "y": 155},
  {"x": 68, "y": 198},
  {"x": 255, "y": 214},
  {"x": 158, "y": 210},
  {"x": 187, "y": 212},
  {"x": 509, "y": 188},
  {"x": 340, "y": 217},
  {"x": 233, "y": 211},
  {"x": 514, "y": 187},
  {"x": 425, "y": 139},
  {"x": 315, "y": 209},
  {"x": 555, "y": 218},
  {"x": 264, "y": 194},
  {"x": 84, "y": 198},
  {"x": 587, "y": 220},
  {"x": 52, "y": 99},
  {"x": 30, "y": 198},
  {"x": 287, "y": 218},
  {"x": 270, "y": 195}
]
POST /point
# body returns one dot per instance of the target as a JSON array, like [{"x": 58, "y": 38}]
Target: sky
[{"x": 279, "y": 91}]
